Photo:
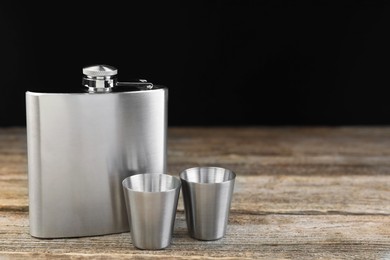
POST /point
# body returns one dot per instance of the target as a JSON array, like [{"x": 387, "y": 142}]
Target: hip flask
[{"x": 82, "y": 143}]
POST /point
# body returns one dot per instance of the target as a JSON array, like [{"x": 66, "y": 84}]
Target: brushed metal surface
[
  {"x": 207, "y": 194},
  {"x": 151, "y": 201},
  {"x": 80, "y": 148}
]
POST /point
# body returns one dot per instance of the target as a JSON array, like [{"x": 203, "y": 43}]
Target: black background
[{"x": 224, "y": 62}]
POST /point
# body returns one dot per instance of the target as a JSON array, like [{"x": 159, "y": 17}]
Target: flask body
[{"x": 80, "y": 148}]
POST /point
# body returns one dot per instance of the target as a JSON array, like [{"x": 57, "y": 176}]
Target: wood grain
[
  {"x": 301, "y": 193},
  {"x": 254, "y": 236}
]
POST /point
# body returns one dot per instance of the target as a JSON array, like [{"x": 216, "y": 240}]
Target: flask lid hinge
[
  {"x": 102, "y": 78},
  {"x": 139, "y": 83}
]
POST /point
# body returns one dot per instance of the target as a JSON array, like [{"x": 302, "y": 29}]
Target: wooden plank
[
  {"x": 348, "y": 141},
  {"x": 289, "y": 194},
  {"x": 252, "y": 236}
]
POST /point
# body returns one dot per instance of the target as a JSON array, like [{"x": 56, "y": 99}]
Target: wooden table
[{"x": 300, "y": 193}]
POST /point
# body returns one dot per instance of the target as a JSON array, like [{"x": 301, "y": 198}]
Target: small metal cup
[
  {"x": 207, "y": 193},
  {"x": 151, "y": 202}
]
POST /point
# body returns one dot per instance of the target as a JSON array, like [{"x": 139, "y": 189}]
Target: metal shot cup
[
  {"x": 207, "y": 193},
  {"x": 151, "y": 203}
]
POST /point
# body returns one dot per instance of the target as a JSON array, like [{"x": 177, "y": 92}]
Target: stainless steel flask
[{"x": 83, "y": 143}]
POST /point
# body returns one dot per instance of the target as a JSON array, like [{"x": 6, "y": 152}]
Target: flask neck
[{"x": 99, "y": 83}]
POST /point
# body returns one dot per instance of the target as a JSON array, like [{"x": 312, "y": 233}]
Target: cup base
[
  {"x": 151, "y": 248},
  {"x": 207, "y": 238}
]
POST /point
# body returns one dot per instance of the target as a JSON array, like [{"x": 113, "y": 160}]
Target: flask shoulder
[{"x": 81, "y": 91}]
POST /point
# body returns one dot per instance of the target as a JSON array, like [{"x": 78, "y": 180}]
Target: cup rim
[
  {"x": 233, "y": 174},
  {"x": 176, "y": 180}
]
